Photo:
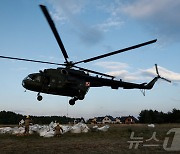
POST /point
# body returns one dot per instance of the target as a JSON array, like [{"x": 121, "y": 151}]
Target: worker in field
[
  {"x": 27, "y": 122},
  {"x": 58, "y": 130}
]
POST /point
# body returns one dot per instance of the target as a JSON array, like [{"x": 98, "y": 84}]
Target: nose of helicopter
[
  {"x": 24, "y": 83},
  {"x": 29, "y": 82}
]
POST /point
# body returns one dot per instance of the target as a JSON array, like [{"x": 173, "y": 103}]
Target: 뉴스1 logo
[{"x": 174, "y": 146}]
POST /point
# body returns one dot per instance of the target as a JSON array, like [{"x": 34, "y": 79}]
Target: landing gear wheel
[
  {"x": 39, "y": 97},
  {"x": 71, "y": 101}
]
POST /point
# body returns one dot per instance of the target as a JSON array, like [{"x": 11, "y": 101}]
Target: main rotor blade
[
  {"x": 31, "y": 60},
  {"x": 116, "y": 52},
  {"x": 94, "y": 72},
  {"x": 54, "y": 30}
]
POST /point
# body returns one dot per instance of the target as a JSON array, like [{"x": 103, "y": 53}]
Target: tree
[
  {"x": 10, "y": 117},
  {"x": 150, "y": 116}
]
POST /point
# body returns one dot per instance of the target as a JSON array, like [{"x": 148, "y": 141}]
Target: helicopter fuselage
[
  {"x": 73, "y": 83},
  {"x": 60, "y": 81}
]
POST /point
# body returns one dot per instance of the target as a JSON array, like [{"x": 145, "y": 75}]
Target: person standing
[
  {"x": 27, "y": 123},
  {"x": 58, "y": 130}
]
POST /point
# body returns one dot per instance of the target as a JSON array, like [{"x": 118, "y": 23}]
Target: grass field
[{"x": 113, "y": 141}]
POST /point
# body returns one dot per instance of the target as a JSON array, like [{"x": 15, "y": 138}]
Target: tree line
[
  {"x": 8, "y": 117},
  {"x": 145, "y": 116},
  {"x": 150, "y": 116}
]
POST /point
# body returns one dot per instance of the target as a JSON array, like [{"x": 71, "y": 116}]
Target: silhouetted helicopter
[{"x": 67, "y": 81}]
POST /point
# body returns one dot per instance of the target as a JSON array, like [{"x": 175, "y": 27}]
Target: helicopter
[{"x": 74, "y": 81}]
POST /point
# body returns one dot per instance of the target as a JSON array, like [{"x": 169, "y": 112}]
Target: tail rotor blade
[
  {"x": 157, "y": 69},
  {"x": 160, "y": 76},
  {"x": 166, "y": 79}
]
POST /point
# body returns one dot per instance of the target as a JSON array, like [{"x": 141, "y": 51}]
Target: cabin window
[{"x": 37, "y": 78}]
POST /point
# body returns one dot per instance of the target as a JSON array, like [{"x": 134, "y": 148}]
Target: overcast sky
[{"x": 89, "y": 28}]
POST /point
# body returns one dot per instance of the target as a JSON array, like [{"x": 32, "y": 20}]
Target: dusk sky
[{"x": 90, "y": 28}]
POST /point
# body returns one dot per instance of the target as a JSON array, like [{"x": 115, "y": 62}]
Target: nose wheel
[
  {"x": 39, "y": 97},
  {"x": 73, "y": 100}
]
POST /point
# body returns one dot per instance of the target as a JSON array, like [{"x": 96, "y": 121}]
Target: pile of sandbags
[{"x": 49, "y": 131}]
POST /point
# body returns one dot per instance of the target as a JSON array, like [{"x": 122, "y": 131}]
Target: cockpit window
[
  {"x": 34, "y": 77},
  {"x": 28, "y": 78}
]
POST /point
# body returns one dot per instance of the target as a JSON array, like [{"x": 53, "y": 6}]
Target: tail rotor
[{"x": 157, "y": 71}]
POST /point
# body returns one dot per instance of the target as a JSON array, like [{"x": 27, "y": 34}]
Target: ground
[{"x": 115, "y": 140}]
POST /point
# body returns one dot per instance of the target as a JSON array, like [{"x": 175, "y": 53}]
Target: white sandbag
[
  {"x": 15, "y": 131},
  {"x": 66, "y": 129},
  {"x": 151, "y": 125},
  {"x": 2, "y": 131},
  {"x": 80, "y": 128},
  {"x": 95, "y": 127},
  {"x": 6, "y": 130},
  {"x": 104, "y": 128},
  {"x": 46, "y": 131},
  {"x": 43, "y": 131},
  {"x": 49, "y": 134},
  {"x": 51, "y": 124},
  {"x": 75, "y": 129},
  {"x": 21, "y": 122},
  {"x": 85, "y": 129},
  {"x": 21, "y": 130},
  {"x": 35, "y": 128}
]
